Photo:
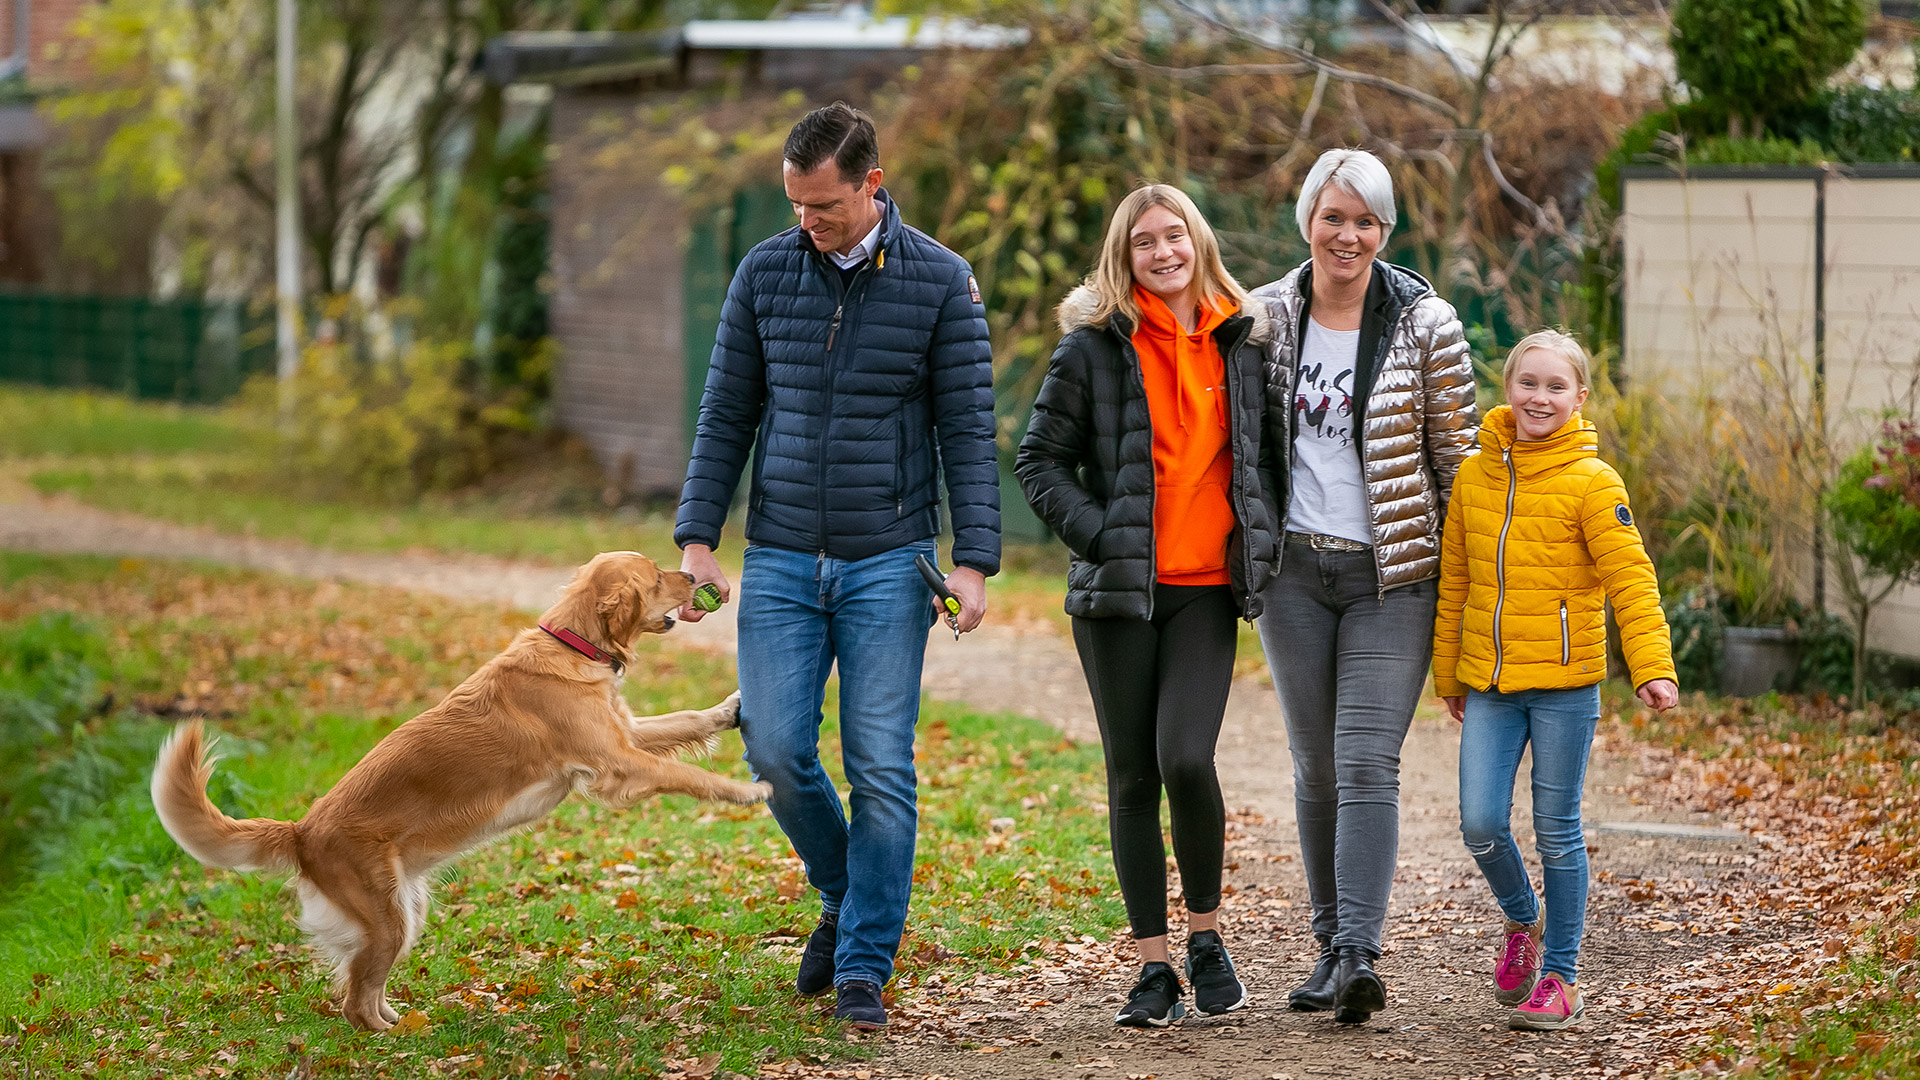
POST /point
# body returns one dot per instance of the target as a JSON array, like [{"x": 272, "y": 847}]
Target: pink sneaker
[
  {"x": 1554, "y": 1005},
  {"x": 1518, "y": 969}
]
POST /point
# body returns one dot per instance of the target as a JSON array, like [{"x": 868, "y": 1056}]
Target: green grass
[
  {"x": 1862, "y": 1023},
  {"x": 595, "y": 942},
  {"x": 36, "y": 422},
  {"x": 238, "y": 497},
  {"x": 213, "y": 476}
]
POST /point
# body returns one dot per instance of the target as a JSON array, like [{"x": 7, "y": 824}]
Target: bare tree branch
[
  {"x": 1311, "y": 113},
  {"x": 1493, "y": 166},
  {"x": 1427, "y": 38},
  {"x": 1207, "y": 71},
  {"x": 1335, "y": 71}
]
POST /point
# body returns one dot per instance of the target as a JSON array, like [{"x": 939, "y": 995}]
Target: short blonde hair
[
  {"x": 1558, "y": 342},
  {"x": 1112, "y": 277}
]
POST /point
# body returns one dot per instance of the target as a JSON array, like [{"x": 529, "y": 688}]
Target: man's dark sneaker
[
  {"x": 858, "y": 1003},
  {"x": 1316, "y": 994},
  {"x": 1359, "y": 992},
  {"x": 1155, "y": 1000},
  {"x": 815, "y": 976},
  {"x": 1216, "y": 989}
]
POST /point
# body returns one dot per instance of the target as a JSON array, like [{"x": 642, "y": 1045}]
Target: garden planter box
[{"x": 1757, "y": 659}]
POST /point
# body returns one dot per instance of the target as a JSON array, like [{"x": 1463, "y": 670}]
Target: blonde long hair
[{"x": 1112, "y": 277}]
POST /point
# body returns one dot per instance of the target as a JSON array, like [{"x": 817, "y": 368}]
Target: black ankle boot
[
  {"x": 1358, "y": 992},
  {"x": 1316, "y": 994}
]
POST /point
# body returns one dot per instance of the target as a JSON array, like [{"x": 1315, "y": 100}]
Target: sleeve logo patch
[
  {"x": 973, "y": 288},
  {"x": 1620, "y": 511}
]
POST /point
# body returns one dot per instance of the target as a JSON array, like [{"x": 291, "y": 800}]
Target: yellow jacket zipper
[
  {"x": 1566, "y": 641},
  {"x": 1500, "y": 570}
]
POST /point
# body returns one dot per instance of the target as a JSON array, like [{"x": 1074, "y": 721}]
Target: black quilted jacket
[
  {"x": 852, "y": 399},
  {"x": 1086, "y": 463}
]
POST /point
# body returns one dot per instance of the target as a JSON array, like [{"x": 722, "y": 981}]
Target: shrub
[
  {"x": 1756, "y": 56},
  {"x": 1874, "y": 511},
  {"x": 397, "y": 429},
  {"x": 50, "y": 682},
  {"x": 1867, "y": 124}
]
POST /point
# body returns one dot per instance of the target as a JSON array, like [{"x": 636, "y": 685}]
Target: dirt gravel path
[{"x": 1052, "y": 1018}]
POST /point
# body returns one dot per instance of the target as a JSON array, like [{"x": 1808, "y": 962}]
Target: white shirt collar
[{"x": 862, "y": 251}]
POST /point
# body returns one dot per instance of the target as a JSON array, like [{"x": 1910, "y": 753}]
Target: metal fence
[{"x": 182, "y": 350}]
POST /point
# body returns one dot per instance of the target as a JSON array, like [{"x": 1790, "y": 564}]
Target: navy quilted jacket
[{"x": 855, "y": 397}]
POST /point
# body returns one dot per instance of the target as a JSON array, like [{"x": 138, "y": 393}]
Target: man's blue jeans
[
  {"x": 1496, "y": 729},
  {"x": 799, "y": 614}
]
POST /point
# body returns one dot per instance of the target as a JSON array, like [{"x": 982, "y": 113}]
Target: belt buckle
[{"x": 1323, "y": 542}]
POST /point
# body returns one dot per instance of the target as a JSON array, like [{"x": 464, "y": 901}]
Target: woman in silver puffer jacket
[{"x": 1371, "y": 409}]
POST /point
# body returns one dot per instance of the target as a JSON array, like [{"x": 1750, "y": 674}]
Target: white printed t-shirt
[{"x": 1329, "y": 495}]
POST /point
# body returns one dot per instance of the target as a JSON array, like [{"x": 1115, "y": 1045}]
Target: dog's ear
[{"x": 622, "y": 605}]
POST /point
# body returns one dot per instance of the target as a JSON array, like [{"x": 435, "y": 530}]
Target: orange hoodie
[{"x": 1192, "y": 464}]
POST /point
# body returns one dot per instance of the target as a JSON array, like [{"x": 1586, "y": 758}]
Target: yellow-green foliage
[{"x": 392, "y": 429}]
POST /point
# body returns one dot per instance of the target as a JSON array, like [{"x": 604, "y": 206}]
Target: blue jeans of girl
[{"x": 1497, "y": 728}]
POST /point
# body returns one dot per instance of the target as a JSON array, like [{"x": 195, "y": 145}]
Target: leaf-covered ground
[
  {"x": 1791, "y": 955},
  {"x": 598, "y": 943},
  {"x": 1833, "y": 797}
]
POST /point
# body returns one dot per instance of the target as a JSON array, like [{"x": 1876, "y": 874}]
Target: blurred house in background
[
  {"x": 637, "y": 279},
  {"x": 36, "y": 52}
]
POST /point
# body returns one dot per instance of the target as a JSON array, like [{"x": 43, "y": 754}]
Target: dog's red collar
[{"x": 584, "y": 647}]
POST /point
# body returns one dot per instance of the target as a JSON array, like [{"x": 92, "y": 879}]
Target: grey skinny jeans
[{"x": 1349, "y": 665}]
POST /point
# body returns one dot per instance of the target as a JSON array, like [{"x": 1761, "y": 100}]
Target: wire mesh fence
[{"x": 180, "y": 350}]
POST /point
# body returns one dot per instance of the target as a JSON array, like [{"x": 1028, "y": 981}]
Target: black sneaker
[
  {"x": 1155, "y": 1000},
  {"x": 815, "y": 976},
  {"x": 858, "y": 1003},
  {"x": 1216, "y": 989}
]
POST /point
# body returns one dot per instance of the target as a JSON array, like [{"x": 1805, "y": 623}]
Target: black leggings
[{"x": 1160, "y": 691}]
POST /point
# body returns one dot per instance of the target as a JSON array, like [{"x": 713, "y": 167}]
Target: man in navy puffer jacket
[{"x": 852, "y": 366}]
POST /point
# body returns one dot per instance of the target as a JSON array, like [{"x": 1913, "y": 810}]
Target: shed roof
[{"x": 585, "y": 56}]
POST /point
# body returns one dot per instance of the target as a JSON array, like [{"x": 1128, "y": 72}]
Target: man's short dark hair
[{"x": 838, "y": 131}]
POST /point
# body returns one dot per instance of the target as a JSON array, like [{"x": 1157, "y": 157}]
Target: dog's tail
[{"x": 180, "y": 796}]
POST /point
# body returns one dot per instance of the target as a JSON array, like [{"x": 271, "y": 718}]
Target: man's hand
[
  {"x": 698, "y": 560},
  {"x": 1456, "y": 707},
  {"x": 969, "y": 586},
  {"x": 1660, "y": 694}
]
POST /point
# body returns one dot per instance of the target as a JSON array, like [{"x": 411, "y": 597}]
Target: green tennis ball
[{"x": 707, "y": 597}]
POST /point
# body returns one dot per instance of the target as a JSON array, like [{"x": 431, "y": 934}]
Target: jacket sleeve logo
[
  {"x": 1620, "y": 511},
  {"x": 973, "y": 288}
]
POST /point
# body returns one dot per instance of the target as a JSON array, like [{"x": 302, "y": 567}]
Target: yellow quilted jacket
[{"x": 1538, "y": 537}]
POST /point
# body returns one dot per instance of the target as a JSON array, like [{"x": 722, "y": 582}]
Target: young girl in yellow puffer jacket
[{"x": 1538, "y": 538}]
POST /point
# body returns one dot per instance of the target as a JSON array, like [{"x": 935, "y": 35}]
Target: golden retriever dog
[{"x": 541, "y": 720}]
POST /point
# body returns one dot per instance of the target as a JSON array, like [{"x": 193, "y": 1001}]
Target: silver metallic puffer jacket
[{"x": 1420, "y": 421}]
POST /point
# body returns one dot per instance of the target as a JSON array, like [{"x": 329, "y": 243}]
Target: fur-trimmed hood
[
  {"x": 1077, "y": 310},
  {"x": 1086, "y": 461}
]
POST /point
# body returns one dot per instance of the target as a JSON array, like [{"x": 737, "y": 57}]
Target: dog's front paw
[
  {"x": 727, "y": 714},
  {"x": 757, "y": 791}
]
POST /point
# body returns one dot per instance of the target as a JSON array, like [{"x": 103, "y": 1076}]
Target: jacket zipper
[
  {"x": 1360, "y": 441},
  {"x": 1500, "y": 572},
  {"x": 1566, "y": 643},
  {"x": 1230, "y": 376},
  {"x": 1140, "y": 386},
  {"x": 826, "y": 415}
]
